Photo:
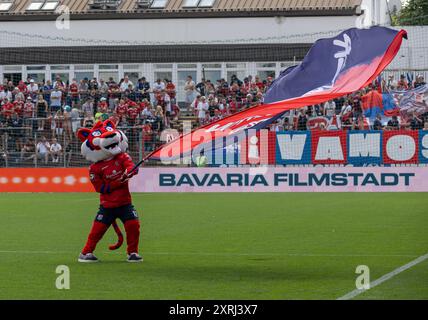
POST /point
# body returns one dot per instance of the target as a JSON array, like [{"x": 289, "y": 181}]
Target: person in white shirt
[
  {"x": 202, "y": 110},
  {"x": 32, "y": 87},
  {"x": 159, "y": 85},
  {"x": 125, "y": 84},
  {"x": 167, "y": 101},
  {"x": 329, "y": 109},
  {"x": 43, "y": 149},
  {"x": 75, "y": 119},
  {"x": 5, "y": 94},
  {"x": 347, "y": 108},
  {"x": 55, "y": 150},
  {"x": 189, "y": 89},
  {"x": 56, "y": 97}
]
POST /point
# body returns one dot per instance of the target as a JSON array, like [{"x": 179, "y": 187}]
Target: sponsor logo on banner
[{"x": 282, "y": 179}]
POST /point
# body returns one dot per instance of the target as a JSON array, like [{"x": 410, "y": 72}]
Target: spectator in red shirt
[
  {"x": 18, "y": 106},
  {"x": 7, "y": 108},
  {"x": 74, "y": 92},
  {"x": 259, "y": 83},
  {"x": 121, "y": 110},
  {"x": 133, "y": 113},
  {"x": 170, "y": 89},
  {"x": 148, "y": 137},
  {"x": 22, "y": 87}
]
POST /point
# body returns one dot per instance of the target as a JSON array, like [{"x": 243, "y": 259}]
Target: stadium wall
[{"x": 184, "y": 31}]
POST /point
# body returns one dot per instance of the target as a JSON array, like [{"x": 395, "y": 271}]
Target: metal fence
[{"x": 58, "y": 146}]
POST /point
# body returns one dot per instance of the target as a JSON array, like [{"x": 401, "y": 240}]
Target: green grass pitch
[{"x": 219, "y": 246}]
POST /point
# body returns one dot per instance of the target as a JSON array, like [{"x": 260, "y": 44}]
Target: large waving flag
[{"x": 333, "y": 67}]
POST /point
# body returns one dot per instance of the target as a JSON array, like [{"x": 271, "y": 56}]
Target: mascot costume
[{"x": 112, "y": 167}]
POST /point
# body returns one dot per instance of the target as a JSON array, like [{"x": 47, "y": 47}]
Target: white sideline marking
[
  {"x": 219, "y": 254},
  {"x": 384, "y": 278}
]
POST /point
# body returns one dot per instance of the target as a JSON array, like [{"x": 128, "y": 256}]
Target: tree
[{"x": 413, "y": 13}]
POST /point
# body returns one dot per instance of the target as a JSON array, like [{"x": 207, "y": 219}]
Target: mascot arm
[
  {"x": 128, "y": 165},
  {"x": 97, "y": 181}
]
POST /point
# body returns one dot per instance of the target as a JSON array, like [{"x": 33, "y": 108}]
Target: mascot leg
[
  {"x": 97, "y": 232},
  {"x": 132, "y": 228}
]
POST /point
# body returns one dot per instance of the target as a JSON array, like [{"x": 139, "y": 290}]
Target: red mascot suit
[{"x": 112, "y": 167}]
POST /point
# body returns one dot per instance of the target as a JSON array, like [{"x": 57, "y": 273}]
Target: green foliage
[{"x": 414, "y": 13}]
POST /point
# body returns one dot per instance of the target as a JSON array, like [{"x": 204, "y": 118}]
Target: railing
[{"x": 19, "y": 145}]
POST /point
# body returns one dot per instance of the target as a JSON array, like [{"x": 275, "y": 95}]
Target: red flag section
[{"x": 326, "y": 73}]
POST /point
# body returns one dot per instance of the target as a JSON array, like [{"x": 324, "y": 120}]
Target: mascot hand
[{"x": 126, "y": 176}]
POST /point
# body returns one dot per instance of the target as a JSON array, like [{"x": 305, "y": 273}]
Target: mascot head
[{"x": 102, "y": 142}]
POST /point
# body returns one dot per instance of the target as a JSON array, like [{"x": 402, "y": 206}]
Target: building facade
[{"x": 172, "y": 39}]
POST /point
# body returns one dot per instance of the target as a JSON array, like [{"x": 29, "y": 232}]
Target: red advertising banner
[{"x": 45, "y": 180}]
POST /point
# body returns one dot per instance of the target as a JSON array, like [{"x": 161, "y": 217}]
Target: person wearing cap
[
  {"x": 420, "y": 82},
  {"x": 32, "y": 88},
  {"x": 22, "y": 87},
  {"x": 103, "y": 105}
]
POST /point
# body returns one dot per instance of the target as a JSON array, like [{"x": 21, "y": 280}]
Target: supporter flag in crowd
[
  {"x": 332, "y": 68},
  {"x": 412, "y": 102},
  {"x": 375, "y": 103}
]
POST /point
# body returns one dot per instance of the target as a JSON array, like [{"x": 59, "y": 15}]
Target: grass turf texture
[{"x": 219, "y": 246}]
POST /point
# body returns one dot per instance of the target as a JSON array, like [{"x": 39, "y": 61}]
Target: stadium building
[{"x": 172, "y": 39}]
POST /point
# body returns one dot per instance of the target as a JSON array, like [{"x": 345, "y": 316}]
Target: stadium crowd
[{"x": 35, "y": 118}]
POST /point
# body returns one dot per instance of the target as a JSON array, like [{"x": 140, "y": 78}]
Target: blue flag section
[
  {"x": 333, "y": 68},
  {"x": 341, "y": 64}
]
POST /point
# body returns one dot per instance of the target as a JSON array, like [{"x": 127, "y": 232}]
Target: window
[
  {"x": 5, "y": 6},
  {"x": 187, "y": 66},
  {"x": 84, "y": 67},
  {"x": 191, "y": 3},
  {"x": 80, "y": 75},
  {"x": 199, "y": 3},
  {"x": 34, "y": 6},
  {"x": 133, "y": 76},
  {"x": 14, "y": 77},
  {"x": 264, "y": 74},
  {"x": 104, "y": 4},
  {"x": 63, "y": 76},
  {"x": 211, "y": 65},
  {"x": 108, "y": 67},
  {"x": 266, "y": 65},
  {"x": 163, "y": 75},
  {"x": 37, "y": 77},
  {"x": 42, "y": 5},
  {"x": 50, "y": 5},
  {"x": 206, "y": 3},
  {"x": 159, "y": 4},
  {"x": 163, "y": 66},
  {"x": 36, "y": 68},
  {"x": 106, "y": 75},
  {"x": 60, "y": 67}
]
